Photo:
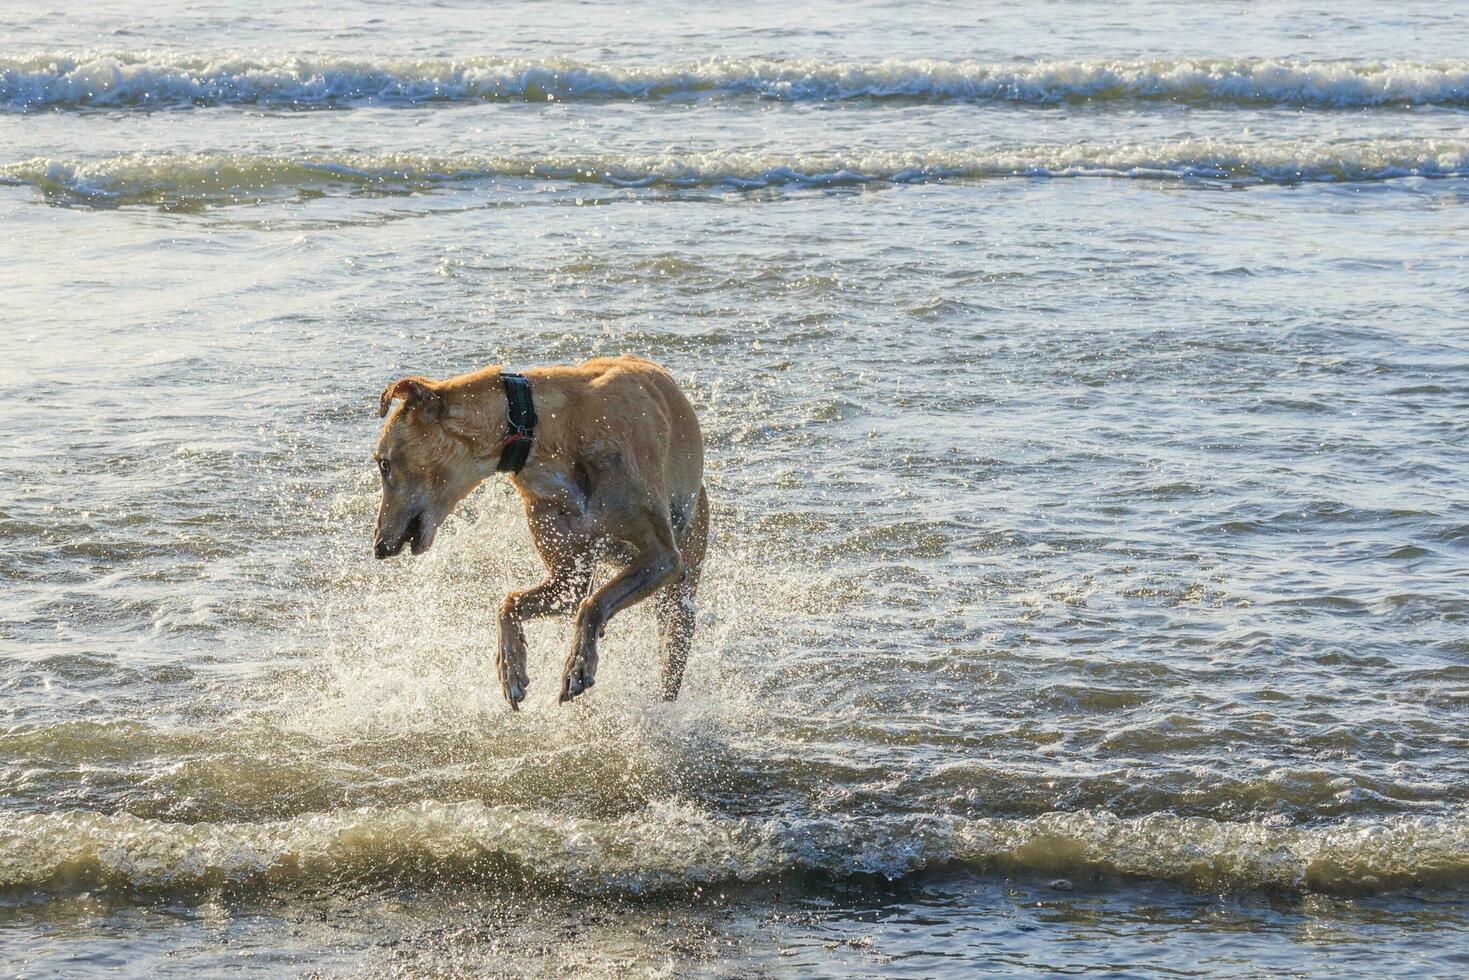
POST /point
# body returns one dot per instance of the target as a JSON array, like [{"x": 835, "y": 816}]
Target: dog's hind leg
[
  {"x": 675, "y": 604},
  {"x": 655, "y": 565},
  {"x": 560, "y": 593}
]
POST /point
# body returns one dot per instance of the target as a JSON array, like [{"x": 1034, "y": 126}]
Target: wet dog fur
[{"x": 615, "y": 472}]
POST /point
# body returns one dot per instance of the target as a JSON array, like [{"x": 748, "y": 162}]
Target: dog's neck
[{"x": 477, "y": 412}]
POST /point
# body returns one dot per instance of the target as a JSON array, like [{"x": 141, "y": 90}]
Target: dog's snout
[{"x": 387, "y": 545}]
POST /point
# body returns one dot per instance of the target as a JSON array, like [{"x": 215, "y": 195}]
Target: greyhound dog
[{"x": 609, "y": 462}]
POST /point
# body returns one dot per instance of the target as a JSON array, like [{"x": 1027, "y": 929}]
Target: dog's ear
[{"x": 417, "y": 393}]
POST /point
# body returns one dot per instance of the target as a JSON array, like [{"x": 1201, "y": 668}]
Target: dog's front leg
[
  {"x": 558, "y": 594},
  {"x": 649, "y": 572},
  {"x": 510, "y": 661}
]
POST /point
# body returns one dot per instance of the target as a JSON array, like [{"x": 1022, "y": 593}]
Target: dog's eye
[{"x": 382, "y": 465}]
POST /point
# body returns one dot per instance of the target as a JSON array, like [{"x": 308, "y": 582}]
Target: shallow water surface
[{"x": 1084, "y": 390}]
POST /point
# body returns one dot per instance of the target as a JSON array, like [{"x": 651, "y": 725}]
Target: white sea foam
[
  {"x": 150, "y": 78},
  {"x": 233, "y": 178}
]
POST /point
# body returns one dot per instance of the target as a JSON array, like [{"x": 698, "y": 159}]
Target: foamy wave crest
[
  {"x": 670, "y": 846},
  {"x": 236, "y": 178},
  {"x": 165, "y": 79}
]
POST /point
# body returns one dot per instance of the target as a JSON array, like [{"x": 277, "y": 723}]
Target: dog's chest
[{"x": 566, "y": 505}]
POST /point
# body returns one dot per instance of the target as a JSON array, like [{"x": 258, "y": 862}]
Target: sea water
[{"x": 1086, "y": 396}]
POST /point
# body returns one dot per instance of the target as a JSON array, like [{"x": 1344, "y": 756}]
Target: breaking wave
[
  {"x": 236, "y": 178},
  {"x": 671, "y": 846},
  {"x": 121, "y": 79}
]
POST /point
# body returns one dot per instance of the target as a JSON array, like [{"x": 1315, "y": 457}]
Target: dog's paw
[
  {"x": 513, "y": 680},
  {"x": 577, "y": 680},
  {"x": 581, "y": 666}
]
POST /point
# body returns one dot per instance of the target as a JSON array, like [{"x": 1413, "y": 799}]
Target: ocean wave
[
  {"x": 671, "y": 846},
  {"x": 149, "y": 78},
  {"x": 218, "y": 179}
]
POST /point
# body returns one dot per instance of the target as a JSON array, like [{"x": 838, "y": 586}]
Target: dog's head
[{"x": 425, "y": 468}]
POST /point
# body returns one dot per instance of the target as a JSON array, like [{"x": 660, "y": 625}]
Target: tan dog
[{"x": 615, "y": 471}]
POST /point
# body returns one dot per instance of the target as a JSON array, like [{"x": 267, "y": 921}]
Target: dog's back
[{"x": 633, "y": 415}]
